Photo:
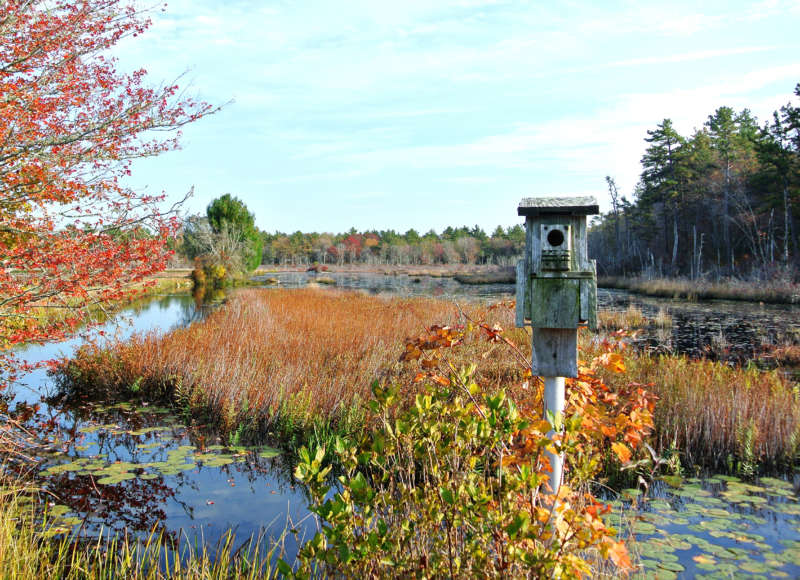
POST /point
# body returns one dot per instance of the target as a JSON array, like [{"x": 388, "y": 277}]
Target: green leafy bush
[{"x": 454, "y": 486}]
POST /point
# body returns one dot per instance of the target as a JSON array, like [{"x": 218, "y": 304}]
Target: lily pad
[
  {"x": 644, "y": 528},
  {"x": 671, "y": 566},
  {"x": 114, "y": 479},
  {"x": 631, "y": 493},
  {"x": 659, "y": 504},
  {"x": 772, "y": 482},
  {"x": 672, "y": 480},
  {"x": 755, "y": 567}
]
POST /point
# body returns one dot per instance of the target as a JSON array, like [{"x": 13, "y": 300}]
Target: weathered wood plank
[
  {"x": 569, "y": 205},
  {"x": 523, "y": 294},
  {"x": 556, "y": 303},
  {"x": 555, "y": 352}
]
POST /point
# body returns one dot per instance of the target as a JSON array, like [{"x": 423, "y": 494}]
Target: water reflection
[
  {"x": 142, "y": 469},
  {"x": 160, "y": 474},
  {"x": 395, "y": 285}
]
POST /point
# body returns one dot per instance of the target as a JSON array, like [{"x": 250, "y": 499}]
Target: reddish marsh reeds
[
  {"x": 266, "y": 360},
  {"x": 715, "y": 415}
]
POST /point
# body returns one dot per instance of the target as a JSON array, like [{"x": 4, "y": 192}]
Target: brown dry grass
[
  {"x": 291, "y": 358},
  {"x": 713, "y": 413},
  {"x": 777, "y": 292},
  {"x": 288, "y": 362}
]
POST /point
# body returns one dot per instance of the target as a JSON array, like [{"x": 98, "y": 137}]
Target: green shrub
[{"x": 452, "y": 487}]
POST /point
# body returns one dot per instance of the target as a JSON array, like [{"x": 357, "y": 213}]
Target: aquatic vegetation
[
  {"x": 632, "y": 318},
  {"x": 297, "y": 364},
  {"x": 499, "y": 366},
  {"x": 713, "y": 528}
]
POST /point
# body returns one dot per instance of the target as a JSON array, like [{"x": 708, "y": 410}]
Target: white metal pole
[{"x": 554, "y": 402}]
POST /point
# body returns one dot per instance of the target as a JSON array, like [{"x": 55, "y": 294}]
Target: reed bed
[
  {"x": 631, "y": 319},
  {"x": 274, "y": 361},
  {"x": 714, "y": 415},
  {"x": 293, "y": 363},
  {"x": 774, "y": 291}
]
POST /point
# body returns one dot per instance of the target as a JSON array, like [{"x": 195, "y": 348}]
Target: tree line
[
  {"x": 462, "y": 245},
  {"x": 227, "y": 236},
  {"x": 722, "y": 201}
]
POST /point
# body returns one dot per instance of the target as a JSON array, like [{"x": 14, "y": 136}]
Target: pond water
[
  {"x": 720, "y": 527},
  {"x": 735, "y": 332},
  {"x": 119, "y": 466}
]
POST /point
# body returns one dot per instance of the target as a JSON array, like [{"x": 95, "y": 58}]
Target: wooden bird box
[{"x": 556, "y": 280}]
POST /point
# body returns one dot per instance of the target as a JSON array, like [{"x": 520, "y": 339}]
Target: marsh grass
[
  {"x": 631, "y": 319},
  {"x": 785, "y": 355},
  {"x": 716, "y": 416},
  {"x": 297, "y": 365},
  {"x": 287, "y": 363},
  {"x": 775, "y": 291}
]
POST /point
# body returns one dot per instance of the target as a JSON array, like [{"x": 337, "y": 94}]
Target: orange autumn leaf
[
  {"x": 611, "y": 361},
  {"x": 619, "y": 555},
  {"x": 439, "y": 379},
  {"x": 622, "y": 451},
  {"x": 608, "y": 430}
]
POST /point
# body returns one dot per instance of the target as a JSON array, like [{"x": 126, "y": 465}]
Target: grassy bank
[{"x": 777, "y": 292}]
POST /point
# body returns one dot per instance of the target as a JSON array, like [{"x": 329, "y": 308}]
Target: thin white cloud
[{"x": 690, "y": 56}]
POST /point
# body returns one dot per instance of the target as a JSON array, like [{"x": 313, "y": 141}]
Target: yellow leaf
[{"x": 622, "y": 451}]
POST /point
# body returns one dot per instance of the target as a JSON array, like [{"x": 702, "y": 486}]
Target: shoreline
[
  {"x": 770, "y": 292},
  {"x": 696, "y": 290}
]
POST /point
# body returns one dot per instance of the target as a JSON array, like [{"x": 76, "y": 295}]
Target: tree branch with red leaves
[{"x": 72, "y": 234}]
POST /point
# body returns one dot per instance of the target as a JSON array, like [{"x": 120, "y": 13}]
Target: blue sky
[{"x": 445, "y": 112}]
